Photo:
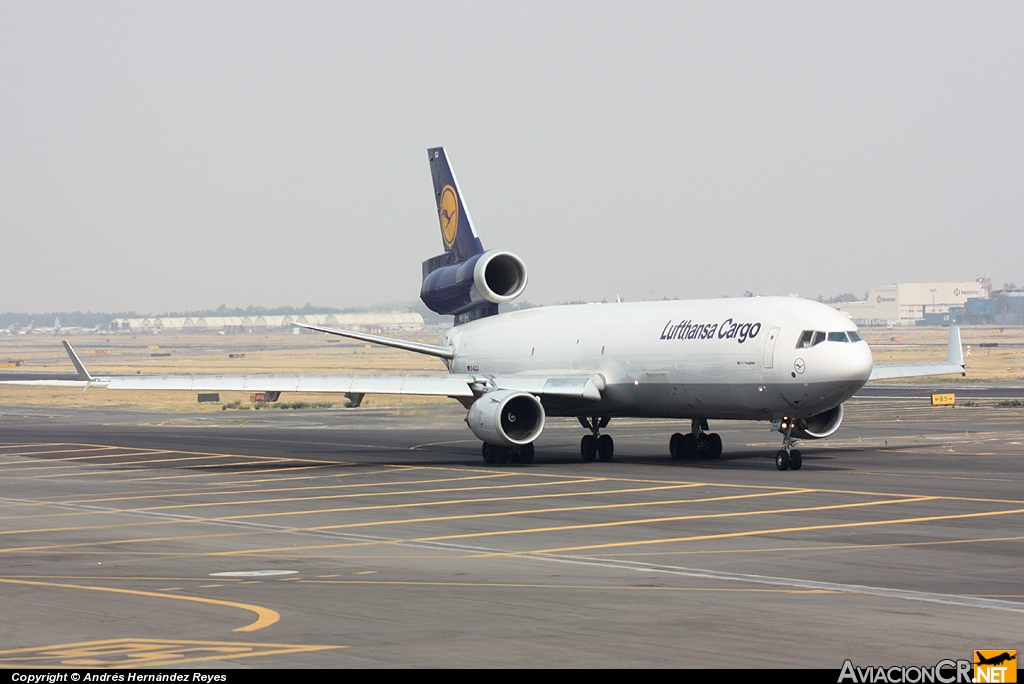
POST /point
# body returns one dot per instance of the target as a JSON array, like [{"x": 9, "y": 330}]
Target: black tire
[
  {"x": 520, "y": 454},
  {"x": 795, "y": 460},
  {"x": 690, "y": 446},
  {"x": 714, "y": 445},
  {"x": 501, "y": 455},
  {"x": 675, "y": 446},
  {"x": 488, "y": 452},
  {"x": 588, "y": 448},
  {"x": 782, "y": 460},
  {"x": 605, "y": 447}
]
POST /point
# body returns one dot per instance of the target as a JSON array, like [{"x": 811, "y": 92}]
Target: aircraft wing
[
  {"x": 563, "y": 386},
  {"x": 954, "y": 363},
  {"x": 439, "y": 385},
  {"x": 429, "y": 385},
  {"x": 583, "y": 387}
]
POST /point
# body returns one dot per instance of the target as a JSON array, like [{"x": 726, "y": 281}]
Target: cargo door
[{"x": 768, "y": 359}]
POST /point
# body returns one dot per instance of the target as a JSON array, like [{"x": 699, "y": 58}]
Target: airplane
[
  {"x": 994, "y": 660},
  {"x": 788, "y": 361}
]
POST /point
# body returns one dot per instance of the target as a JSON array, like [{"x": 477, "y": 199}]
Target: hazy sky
[{"x": 170, "y": 156}]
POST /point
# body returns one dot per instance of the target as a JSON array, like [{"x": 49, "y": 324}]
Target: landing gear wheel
[
  {"x": 782, "y": 460},
  {"x": 588, "y": 447},
  {"x": 501, "y": 455},
  {"x": 795, "y": 460},
  {"x": 605, "y": 447},
  {"x": 714, "y": 445},
  {"x": 522, "y": 454},
  {"x": 675, "y": 446},
  {"x": 690, "y": 446},
  {"x": 488, "y": 451}
]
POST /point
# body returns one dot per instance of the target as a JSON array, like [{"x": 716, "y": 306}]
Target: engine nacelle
[
  {"x": 494, "y": 277},
  {"x": 506, "y": 418},
  {"x": 816, "y": 427}
]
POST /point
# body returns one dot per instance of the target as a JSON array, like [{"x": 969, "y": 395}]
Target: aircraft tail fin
[
  {"x": 79, "y": 366},
  {"x": 955, "y": 350},
  {"x": 457, "y": 231}
]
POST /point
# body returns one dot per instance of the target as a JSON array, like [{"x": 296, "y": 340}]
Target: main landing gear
[
  {"x": 596, "y": 445},
  {"x": 788, "y": 458},
  {"x": 501, "y": 455},
  {"x": 696, "y": 443}
]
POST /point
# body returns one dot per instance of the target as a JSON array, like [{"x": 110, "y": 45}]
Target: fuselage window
[
  {"x": 855, "y": 336},
  {"x": 819, "y": 337},
  {"x": 837, "y": 337},
  {"x": 805, "y": 339}
]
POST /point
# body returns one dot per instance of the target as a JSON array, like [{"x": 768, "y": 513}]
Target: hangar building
[{"x": 906, "y": 303}]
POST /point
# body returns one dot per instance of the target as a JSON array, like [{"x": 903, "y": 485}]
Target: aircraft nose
[{"x": 859, "y": 360}]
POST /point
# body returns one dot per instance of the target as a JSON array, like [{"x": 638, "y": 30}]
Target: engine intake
[
  {"x": 506, "y": 418},
  {"x": 494, "y": 277},
  {"x": 818, "y": 426}
]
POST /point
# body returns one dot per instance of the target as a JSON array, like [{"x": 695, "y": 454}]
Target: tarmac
[{"x": 378, "y": 538}]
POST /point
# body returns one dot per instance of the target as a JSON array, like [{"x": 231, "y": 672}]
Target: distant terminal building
[
  {"x": 913, "y": 303},
  {"x": 365, "y": 322}
]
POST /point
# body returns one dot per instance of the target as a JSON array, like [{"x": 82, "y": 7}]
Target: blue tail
[
  {"x": 465, "y": 281},
  {"x": 457, "y": 229}
]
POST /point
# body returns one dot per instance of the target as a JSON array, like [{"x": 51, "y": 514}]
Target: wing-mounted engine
[
  {"x": 816, "y": 427},
  {"x": 506, "y": 418},
  {"x": 481, "y": 281}
]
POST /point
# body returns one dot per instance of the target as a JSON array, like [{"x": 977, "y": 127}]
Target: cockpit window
[
  {"x": 805, "y": 339},
  {"x": 819, "y": 337},
  {"x": 855, "y": 336},
  {"x": 837, "y": 337}
]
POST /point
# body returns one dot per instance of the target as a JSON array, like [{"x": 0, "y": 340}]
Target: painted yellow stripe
[
  {"x": 58, "y": 502},
  {"x": 374, "y": 523},
  {"x": 583, "y": 587},
  {"x": 781, "y": 530},
  {"x": 264, "y": 616},
  {"x": 29, "y": 454},
  {"x": 440, "y": 490},
  {"x": 140, "y": 466},
  {"x": 121, "y": 453},
  {"x": 801, "y": 549},
  {"x": 537, "y": 530}
]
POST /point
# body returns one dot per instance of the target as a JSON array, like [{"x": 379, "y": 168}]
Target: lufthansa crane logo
[{"x": 449, "y": 215}]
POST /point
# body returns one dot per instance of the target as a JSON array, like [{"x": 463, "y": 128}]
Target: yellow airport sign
[{"x": 943, "y": 399}]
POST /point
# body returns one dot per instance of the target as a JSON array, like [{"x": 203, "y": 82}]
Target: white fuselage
[{"x": 716, "y": 358}]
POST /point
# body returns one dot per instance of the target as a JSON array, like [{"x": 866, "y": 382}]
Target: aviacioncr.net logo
[
  {"x": 448, "y": 212},
  {"x": 943, "y": 672}
]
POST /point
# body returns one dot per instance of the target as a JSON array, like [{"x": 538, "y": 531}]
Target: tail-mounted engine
[
  {"x": 814, "y": 427},
  {"x": 481, "y": 281},
  {"x": 506, "y": 418}
]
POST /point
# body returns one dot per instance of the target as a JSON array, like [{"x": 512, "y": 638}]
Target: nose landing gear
[
  {"x": 788, "y": 458},
  {"x": 695, "y": 443},
  {"x": 596, "y": 445}
]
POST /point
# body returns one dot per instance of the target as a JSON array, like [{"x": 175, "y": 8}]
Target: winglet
[
  {"x": 79, "y": 366},
  {"x": 955, "y": 352}
]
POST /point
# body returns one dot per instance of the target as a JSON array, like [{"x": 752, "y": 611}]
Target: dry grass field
[{"x": 201, "y": 353}]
